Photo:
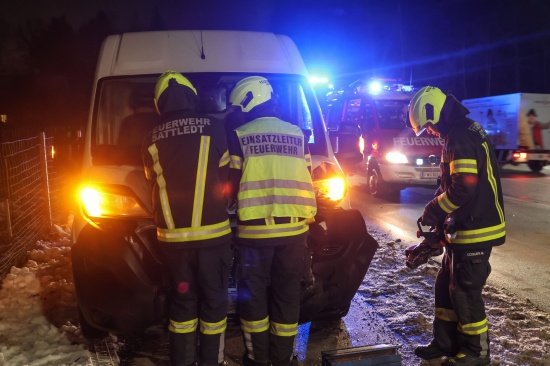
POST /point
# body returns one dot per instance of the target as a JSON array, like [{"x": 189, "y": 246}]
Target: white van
[{"x": 118, "y": 273}]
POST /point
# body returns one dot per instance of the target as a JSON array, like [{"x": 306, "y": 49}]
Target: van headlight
[
  {"x": 396, "y": 158},
  {"x": 111, "y": 202},
  {"x": 329, "y": 184}
]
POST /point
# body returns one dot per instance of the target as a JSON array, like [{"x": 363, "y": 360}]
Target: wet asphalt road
[{"x": 521, "y": 265}]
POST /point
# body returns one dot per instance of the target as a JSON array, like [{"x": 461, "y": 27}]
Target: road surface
[{"x": 521, "y": 265}]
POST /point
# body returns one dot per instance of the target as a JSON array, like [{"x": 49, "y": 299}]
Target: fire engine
[{"x": 394, "y": 157}]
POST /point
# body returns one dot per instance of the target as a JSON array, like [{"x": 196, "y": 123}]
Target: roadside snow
[
  {"x": 394, "y": 305},
  {"x": 38, "y": 312}
]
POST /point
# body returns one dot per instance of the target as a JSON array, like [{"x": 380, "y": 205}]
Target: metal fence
[{"x": 30, "y": 197}]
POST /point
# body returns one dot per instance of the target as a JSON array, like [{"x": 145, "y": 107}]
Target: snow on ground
[
  {"x": 38, "y": 316},
  {"x": 519, "y": 333},
  {"x": 38, "y": 309}
]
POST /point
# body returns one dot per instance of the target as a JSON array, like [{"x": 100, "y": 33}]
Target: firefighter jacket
[
  {"x": 271, "y": 162},
  {"x": 469, "y": 189},
  {"x": 186, "y": 162}
]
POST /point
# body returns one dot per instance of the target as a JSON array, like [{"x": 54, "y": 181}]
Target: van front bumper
[
  {"x": 118, "y": 277},
  {"x": 408, "y": 175}
]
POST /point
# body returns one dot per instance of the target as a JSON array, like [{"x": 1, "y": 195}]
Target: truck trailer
[{"x": 518, "y": 126}]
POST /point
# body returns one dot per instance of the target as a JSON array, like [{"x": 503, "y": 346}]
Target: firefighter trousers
[
  {"x": 199, "y": 283},
  {"x": 460, "y": 323},
  {"x": 268, "y": 300}
]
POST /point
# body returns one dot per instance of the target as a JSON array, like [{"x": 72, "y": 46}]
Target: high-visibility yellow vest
[{"x": 275, "y": 178}]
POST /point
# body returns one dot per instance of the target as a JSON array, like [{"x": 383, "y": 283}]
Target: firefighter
[
  {"x": 469, "y": 190},
  {"x": 270, "y": 169},
  {"x": 187, "y": 162}
]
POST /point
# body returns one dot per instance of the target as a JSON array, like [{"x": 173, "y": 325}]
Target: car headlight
[
  {"x": 111, "y": 202},
  {"x": 396, "y": 158},
  {"x": 329, "y": 184}
]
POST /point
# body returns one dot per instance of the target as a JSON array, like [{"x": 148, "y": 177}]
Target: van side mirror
[{"x": 347, "y": 149}]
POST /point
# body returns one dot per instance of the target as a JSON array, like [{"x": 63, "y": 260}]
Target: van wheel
[
  {"x": 375, "y": 182},
  {"x": 87, "y": 330},
  {"x": 536, "y": 165}
]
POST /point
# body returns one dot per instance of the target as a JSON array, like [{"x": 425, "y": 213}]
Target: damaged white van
[{"x": 120, "y": 281}]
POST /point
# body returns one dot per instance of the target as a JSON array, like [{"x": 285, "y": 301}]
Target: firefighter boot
[
  {"x": 431, "y": 351},
  {"x": 465, "y": 360}
]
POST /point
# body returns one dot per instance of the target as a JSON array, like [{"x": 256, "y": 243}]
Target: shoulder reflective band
[
  {"x": 213, "y": 328},
  {"x": 271, "y": 231},
  {"x": 445, "y": 203},
  {"x": 164, "y": 203},
  {"x": 480, "y": 235},
  {"x": 183, "y": 327},
  {"x": 200, "y": 181},
  {"x": 284, "y": 330},
  {"x": 194, "y": 233},
  {"x": 493, "y": 182},
  {"x": 224, "y": 160},
  {"x": 255, "y": 326},
  {"x": 235, "y": 162},
  {"x": 463, "y": 166},
  {"x": 474, "y": 328},
  {"x": 447, "y": 315}
]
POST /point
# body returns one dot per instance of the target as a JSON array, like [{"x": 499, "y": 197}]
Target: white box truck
[
  {"x": 518, "y": 125},
  {"x": 118, "y": 273}
]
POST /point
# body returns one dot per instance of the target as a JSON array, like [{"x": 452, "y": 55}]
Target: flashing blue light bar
[
  {"x": 375, "y": 87},
  {"x": 318, "y": 79}
]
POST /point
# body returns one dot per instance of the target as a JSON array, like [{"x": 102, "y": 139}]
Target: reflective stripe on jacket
[
  {"x": 471, "y": 189},
  {"x": 186, "y": 162},
  {"x": 275, "y": 181}
]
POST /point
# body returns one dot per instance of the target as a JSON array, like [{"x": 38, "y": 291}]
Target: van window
[
  {"x": 124, "y": 112},
  {"x": 392, "y": 114}
]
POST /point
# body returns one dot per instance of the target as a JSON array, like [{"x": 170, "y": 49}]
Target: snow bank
[
  {"x": 519, "y": 333},
  {"x": 37, "y": 309}
]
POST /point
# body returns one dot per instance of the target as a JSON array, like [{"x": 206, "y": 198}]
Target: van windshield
[
  {"x": 125, "y": 111},
  {"x": 392, "y": 114}
]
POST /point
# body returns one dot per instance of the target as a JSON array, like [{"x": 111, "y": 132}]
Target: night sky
[{"x": 470, "y": 47}]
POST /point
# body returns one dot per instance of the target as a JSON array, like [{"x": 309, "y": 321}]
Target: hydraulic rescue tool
[{"x": 434, "y": 241}]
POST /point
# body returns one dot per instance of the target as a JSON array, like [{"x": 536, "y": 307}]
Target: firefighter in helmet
[
  {"x": 187, "y": 162},
  {"x": 270, "y": 175},
  {"x": 470, "y": 191}
]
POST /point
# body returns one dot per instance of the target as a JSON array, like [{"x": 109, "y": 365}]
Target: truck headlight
[
  {"x": 111, "y": 202},
  {"x": 329, "y": 184},
  {"x": 396, "y": 158}
]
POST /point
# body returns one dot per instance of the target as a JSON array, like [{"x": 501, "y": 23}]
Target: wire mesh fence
[{"x": 30, "y": 197}]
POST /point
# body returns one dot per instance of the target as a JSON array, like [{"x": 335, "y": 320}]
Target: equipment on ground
[{"x": 381, "y": 354}]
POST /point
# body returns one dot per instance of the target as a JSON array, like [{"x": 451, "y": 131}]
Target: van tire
[
  {"x": 87, "y": 330},
  {"x": 379, "y": 188},
  {"x": 375, "y": 182}
]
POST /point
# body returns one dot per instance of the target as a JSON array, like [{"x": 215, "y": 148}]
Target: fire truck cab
[{"x": 394, "y": 157}]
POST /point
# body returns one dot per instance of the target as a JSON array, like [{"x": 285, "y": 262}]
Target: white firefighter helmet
[{"x": 251, "y": 92}]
